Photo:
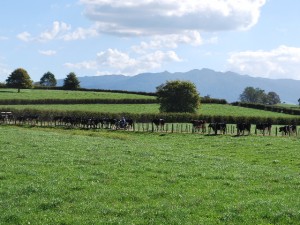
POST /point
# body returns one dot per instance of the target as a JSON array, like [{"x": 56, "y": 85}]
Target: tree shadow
[{"x": 8, "y": 91}]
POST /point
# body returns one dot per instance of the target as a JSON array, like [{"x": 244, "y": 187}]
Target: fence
[{"x": 146, "y": 127}]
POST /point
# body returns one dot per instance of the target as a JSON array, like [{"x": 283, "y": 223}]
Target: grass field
[
  {"x": 57, "y": 176},
  {"x": 62, "y": 94},
  {"x": 206, "y": 109}
]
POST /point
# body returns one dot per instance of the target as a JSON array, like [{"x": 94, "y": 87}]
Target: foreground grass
[
  {"x": 206, "y": 109},
  {"x": 63, "y": 94},
  {"x": 55, "y": 176}
]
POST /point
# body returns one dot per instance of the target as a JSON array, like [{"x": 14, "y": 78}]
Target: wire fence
[{"x": 150, "y": 127}]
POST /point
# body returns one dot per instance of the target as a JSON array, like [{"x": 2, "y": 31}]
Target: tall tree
[
  {"x": 48, "y": 80},
  {"x": 19, "y": 79},
  {"x": 178, "y": 96},
  {"x": 251, "y": 95},
  {"x": 273, "y": 98},
  {"x": 257, "y": 95},
  {"x": 71, "y": 82}
]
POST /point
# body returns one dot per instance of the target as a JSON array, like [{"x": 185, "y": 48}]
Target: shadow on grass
[{"x": 8, "y": 91}]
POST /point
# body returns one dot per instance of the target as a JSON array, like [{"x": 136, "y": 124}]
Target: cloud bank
[
  {"x": 153, "y": 17},
  {"x": 281, "y": 62},
  {"x": 118, "y": 62}
]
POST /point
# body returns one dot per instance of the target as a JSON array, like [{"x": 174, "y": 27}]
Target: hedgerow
[
  {"x": 272, "y": 108},
  {"x": 47, "y": 115}
]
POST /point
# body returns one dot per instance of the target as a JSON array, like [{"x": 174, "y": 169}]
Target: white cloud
[
  {"x": 47, "y": 52},
  {"x": 80, "y": 33},
  {"x": 60, "y": 31},
  {"x": 170, "y": 41},
  {"x": 118, "y": 62},
  {"x": 156, "y": 17},
  {"x": 58, "y": 28},
  {"x": 24, "y": 36},
  {"x": 281, "y": 62}
]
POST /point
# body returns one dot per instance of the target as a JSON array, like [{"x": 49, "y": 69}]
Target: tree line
[
  {"x": 173, "y": 96},
  {"x": 20, "y": 79}
]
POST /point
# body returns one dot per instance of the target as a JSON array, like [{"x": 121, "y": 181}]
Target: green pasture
[
  {"x": 63, "y": 94},
  {"x": 205, "y": 109},
  {"x": 66, "y": 176}
]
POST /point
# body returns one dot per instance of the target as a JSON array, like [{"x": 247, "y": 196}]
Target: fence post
[{"x": 172, "y": 128}]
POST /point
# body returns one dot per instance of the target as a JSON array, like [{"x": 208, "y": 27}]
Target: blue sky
[{"x": 100, "y": 37}]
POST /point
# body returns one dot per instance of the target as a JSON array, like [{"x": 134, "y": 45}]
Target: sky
[{"x": 260, "y": 38}]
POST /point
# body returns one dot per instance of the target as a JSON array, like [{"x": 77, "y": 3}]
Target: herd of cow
[
  {"x": 264, "y": 128},
  {"x": 158, "y": 123}
]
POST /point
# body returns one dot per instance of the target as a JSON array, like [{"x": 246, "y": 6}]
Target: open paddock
[{"x": 64, "y": 176}]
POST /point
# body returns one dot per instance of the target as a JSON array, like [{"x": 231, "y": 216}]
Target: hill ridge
[{"x": 224, "y": 85}]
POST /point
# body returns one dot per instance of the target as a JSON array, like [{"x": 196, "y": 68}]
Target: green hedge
[
  {"x": 46, "y": 115},
  {"x": 75, "y": 101},
  {"x": 98, "y": 90},
  {"x": 272, "y": 108},
  {"x": 93, "y": 101}
]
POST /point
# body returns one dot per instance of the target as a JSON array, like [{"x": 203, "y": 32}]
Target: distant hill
[{"x": 226, "y": 85}]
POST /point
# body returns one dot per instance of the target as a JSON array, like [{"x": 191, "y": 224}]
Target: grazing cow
[
  {"x": 218, "y": 126},
  {"x": 32, "y": 119},
  {"x": 288, "y": 129},
  {"x": 20, "y": 119},
  {"x": 263, "y": 127},
  {"x": 241, "y": 127},
  {"x": 110, "y": 122},
  {"x": 71, "y": 121},
  {"x": 199, "y": 125},
  {"x": 6, "y": 117},
  {"x": 159, "y": 123},
  {"x": 293, "y": 129},
  {"x": 129, "y": 122},
  {"x": 90, "y": 122}
]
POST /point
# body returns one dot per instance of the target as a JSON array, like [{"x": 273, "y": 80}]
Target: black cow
[
  {"x": 111, "y": 122},
  {"x": 218, "y": 126},
  {"x": 199, "y": 125},
  {"x": 288, "y": 129},
  {"x": 242, "y": 127},
  {"x": 20, "y": 119},
  {"x": 33, "y": 119},
  {"x": 123, "y": 124},
  {"x": 129, "y": 122},
  {"x": 159, "y": 123},
  {"x": 90, "y": 122},
  {"x": 263, "y": 127},
  {"x": 6, "y": 117}
]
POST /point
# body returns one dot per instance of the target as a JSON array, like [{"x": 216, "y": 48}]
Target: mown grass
[
  {"x": 57, "y": 176},
  {"x": 206, "y": 109},
  {"x": 63, "y": 94}
]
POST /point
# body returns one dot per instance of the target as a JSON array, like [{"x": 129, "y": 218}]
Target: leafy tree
[
  {"x": 257, "y": 95},
  {"x": 71, "y": 82},
  {"x": 19, "y": 78},
  {"x": 299, "y": 102},
  {"x": 178, "y": 96},
  {"x": 48, "y": 80},
  {"x": 251, "y": 95},
  {"x": 273, "y": 98}
]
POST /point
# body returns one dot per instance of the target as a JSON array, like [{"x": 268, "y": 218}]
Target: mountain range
[{"x": 224, "y": 85}]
